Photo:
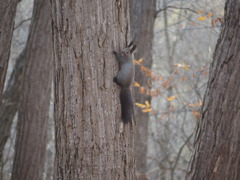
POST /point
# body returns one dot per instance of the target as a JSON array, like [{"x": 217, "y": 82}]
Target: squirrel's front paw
[
  {"x": 114, "y": 52},
  {"x": 115, "y": 79}
]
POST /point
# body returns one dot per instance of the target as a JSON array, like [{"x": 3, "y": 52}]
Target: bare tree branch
[
  {"x": 174, "y": 7},
  {"x": 23, "y": 21}
]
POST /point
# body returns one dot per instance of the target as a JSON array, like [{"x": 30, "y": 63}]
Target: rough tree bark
[
  {"x": 90, "y": 143},
  {"x": 217, "y": 140},
  {"x": 35, "y": 96},
  {"x": 7, "y": 16},
  {"x": 142, "y": 26}
]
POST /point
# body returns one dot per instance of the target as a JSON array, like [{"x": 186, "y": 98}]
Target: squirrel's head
[{"x": 129, "y": 50}]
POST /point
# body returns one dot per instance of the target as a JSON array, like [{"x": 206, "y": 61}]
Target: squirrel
[{"x": 124, "y": 79}]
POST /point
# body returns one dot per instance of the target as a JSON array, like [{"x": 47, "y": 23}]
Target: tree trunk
[
  {"x": 91, "y": 141},
  {"x": 34, "y": 103},
  {"x": 142, "y": 27},
  {"x": 7, "y": 15},
  {"x": 217, "y": 140},
  {"x": 10, "y": 101}
]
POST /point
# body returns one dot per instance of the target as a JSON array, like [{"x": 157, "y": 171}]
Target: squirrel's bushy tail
[{"x": 126, "y": 104}]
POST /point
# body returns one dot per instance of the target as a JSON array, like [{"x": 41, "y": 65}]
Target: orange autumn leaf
[
  {"x": 183, "y": 65},
  {"x": 171, "y": 98},
  {"x": 144, "y": 69},
  {"x": 139, "y": 62},
  {"x": 202, "y": 18},
  {"x": 146, "y": 110},
  {"x": 147, "y": 104},
  {"x": 210, "y": 14},
  {"x": 200, "y": 103},
  {"x": 141, "y": 90},
  {"x": 148, "y": 73},
  {"x": 191, "y": 105},
  {"x": 140, "y": 105},
  {"x": 135, "y": 84},
  {"x": 186, "y": 68},
  {"x": 196, "y": 114}
]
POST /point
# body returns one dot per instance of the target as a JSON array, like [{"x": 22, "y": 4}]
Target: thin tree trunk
[
  {"x": 34, "y": 103},
  {"x": 91, "y": 142},
  {"x": 217, "y": 141},
  {"x": 10, "y": 101},
  {"x": 169, "y": 59},
  {"x": 7, "y": 16},
  {"x": 142, "y": 27}
]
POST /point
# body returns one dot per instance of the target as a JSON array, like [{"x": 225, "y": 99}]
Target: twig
[
  {"x": 23, "y": 21},
  {"x": 173, "y": 7}
]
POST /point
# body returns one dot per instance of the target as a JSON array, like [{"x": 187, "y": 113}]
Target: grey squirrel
[{"x": 124, "y": 79}]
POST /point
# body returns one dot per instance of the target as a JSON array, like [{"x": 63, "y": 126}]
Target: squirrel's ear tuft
[
  {"x": 132, "y": 50},
  {"x": 130, "y": 44}
]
